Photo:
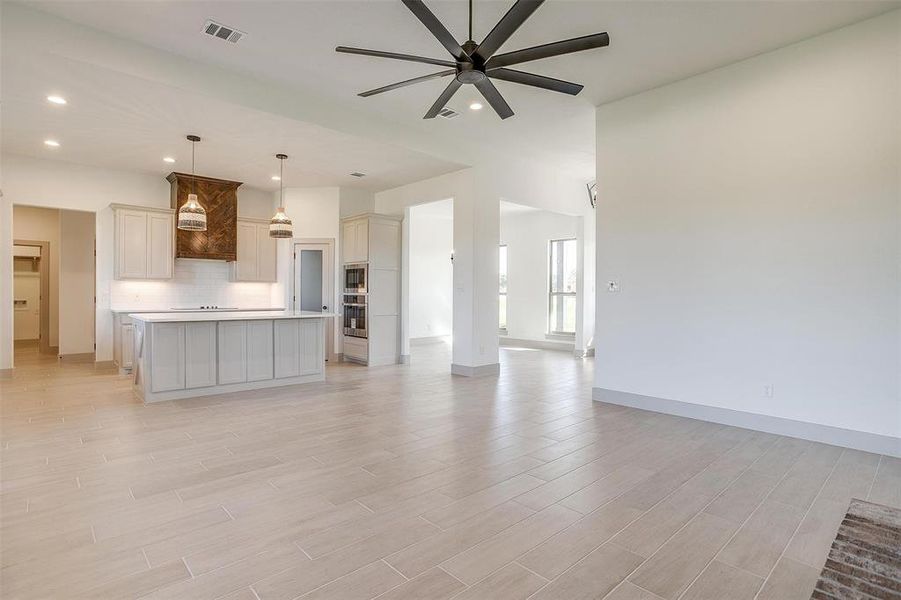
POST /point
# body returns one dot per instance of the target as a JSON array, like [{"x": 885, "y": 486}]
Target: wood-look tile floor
[{"x": 406, "y": 482}]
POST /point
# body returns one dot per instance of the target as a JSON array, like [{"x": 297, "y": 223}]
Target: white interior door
[{"x": 314, "y": 284}]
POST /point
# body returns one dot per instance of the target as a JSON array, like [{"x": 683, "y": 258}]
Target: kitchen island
[{"x": 183, "y": 355}]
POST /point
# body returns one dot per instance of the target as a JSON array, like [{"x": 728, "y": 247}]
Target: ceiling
[
  {"x": 119, "y": 121},
  {"x": 292, "y": 43}
]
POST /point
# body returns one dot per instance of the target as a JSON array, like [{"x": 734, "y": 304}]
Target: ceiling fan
[{"x": 478, "y": 64}]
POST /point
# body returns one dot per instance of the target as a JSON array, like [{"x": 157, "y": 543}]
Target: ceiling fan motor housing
[{"x": 472, "y": 71}]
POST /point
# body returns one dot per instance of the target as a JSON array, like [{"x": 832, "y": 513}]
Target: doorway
[
  {"x": 314, "y": 283},
  {"x": 430, "y": 284},
  {"x": 57, "y": 246},
  {"x": 31, "y": 295}
]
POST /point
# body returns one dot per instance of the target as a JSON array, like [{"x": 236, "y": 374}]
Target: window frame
[{"x": 551, "y": 329}]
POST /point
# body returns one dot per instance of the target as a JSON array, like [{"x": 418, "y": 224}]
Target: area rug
[{"x": 865, "y": 559}]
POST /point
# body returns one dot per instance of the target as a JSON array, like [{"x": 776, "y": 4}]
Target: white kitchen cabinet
[
  {"x": 160, "y": 245},
  {"x": 232, "y": 352},
  {"x": 376, "y": 240},
  {"x": 144, "y": 242},
  {"x": 355, "y": 240},
  {"x": 287, "y": 348},
  {"x": 256, "y": 259},
  {"x": 168, "y": 357},
  {"x": 127, "y": 353},
  {"x": 200, "y": 355},
  {"x": 384, "y": 243},
  {"x": 310, "y": 346},
  {"x": 259, "y": 350},
  {"x": 178, "y": 355}
]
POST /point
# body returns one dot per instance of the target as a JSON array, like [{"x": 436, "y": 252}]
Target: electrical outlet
[{"x": 769, "y": 390}]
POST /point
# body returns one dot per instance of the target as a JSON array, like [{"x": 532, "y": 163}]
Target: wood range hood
[{"x": 219, "y": 198}]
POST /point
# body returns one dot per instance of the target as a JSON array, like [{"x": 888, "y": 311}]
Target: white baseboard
[
  {"x": 434, "y": 339},
  {"x": 539, "y": 344},
  {"x": 848, "y": 438},
  {"x": 479, "y": 371}
]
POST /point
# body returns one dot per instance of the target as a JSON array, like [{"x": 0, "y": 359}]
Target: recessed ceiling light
[
  {"x": 475, "y": 106},
  {"x": 169, "y": 159},
  {"x": 51, "y": 143},
  {"x": 56, "y": 99},
  {"x": 276, "y": 178}
]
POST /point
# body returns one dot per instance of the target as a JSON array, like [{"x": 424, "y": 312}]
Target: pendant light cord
[
  {"x": 281, "y": 183},
  {"x": 470, "y": 19},
  {"x": 193, "y": 179}
]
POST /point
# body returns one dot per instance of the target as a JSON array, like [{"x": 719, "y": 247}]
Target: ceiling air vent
[
  {"x": 357, "y": 174},
  {"x": 223, "y": 32},
  {"x": 448, "y": 113}
]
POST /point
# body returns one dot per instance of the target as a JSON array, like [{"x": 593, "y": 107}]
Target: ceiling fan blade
[
  {"x": 586, "y": 42},
  {"x": 443, "y": 99},
  {"x": 428, "y": 18},
  {"x": 401, "y": 84},
  {"x": 494, "y": 98},
  {"x": 397, "y": 56},
  {"x": 510, "y": 22},
  {"x": 547, "y": 83}
]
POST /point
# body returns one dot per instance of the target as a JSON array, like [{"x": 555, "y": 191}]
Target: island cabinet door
[
  {"x": 127, "y": 343},
  {"x": 287, "y": 348},
  {"x": 232, "y": 352},
  {"x": 259, "y": 350},
  {"x": 312, "y": 358},
  {"x": 167, "y": 357},
  {"x": 200, "y": 355}
]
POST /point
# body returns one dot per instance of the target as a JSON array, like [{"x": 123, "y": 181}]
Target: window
[
  {"x": 502, "y": 287},
  {"x": 562, "y": 289}
]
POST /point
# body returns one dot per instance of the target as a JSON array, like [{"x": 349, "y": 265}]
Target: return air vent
[
  {"x": 448, "y": 113},
  {"x": 223, "y": 32}
]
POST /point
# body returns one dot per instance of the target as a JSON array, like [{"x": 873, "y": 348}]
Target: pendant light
[
  {"x": 280, "y": 225},
  {"x": 191, "y": 215}
]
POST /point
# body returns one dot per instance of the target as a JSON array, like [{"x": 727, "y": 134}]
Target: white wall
[
  {"x": 431, "y": 271},
  {"x": 42, "y": 224},
  {"x": 76, "y": 282},
  {"x": 355, "y": 201},
  {"x": 751, "y": 216},
  {"x": 526, "y": 235},
  {"x": 57, "y": 184}
]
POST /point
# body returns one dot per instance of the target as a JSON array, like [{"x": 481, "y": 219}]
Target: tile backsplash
[{"x": 196, "y": 283}]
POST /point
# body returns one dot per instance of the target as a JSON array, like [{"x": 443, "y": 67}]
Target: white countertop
[
  {"x": 197, "y": 309},
  {"x": 192, "y": 317}
]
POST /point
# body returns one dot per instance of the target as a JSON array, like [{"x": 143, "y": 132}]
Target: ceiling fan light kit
[{"x": 477, "y": 64}]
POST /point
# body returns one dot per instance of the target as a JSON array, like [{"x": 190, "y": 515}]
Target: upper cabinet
[
  {"x": 355, "y": 240},
  {"x": 256, "y": 252},
  {"x": 144, "y": 242},
  {"x": 373, "y": 239}
]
